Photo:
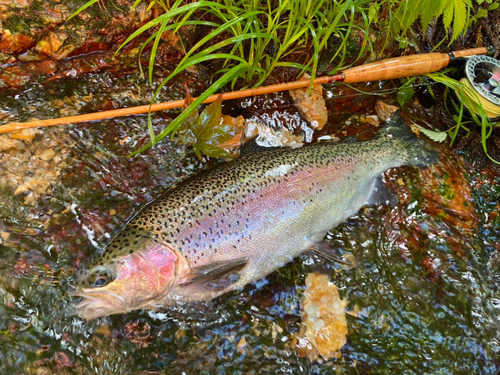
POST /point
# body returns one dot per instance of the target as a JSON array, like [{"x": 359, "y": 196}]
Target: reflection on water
[{"x": 425, "y": 285}]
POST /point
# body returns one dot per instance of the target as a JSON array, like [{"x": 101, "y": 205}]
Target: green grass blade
[
  {"x": 136, "y": 3},
  {"x": 294, "y": 65},
  {"x": 152, "y": 57},
  {"x": 221, "y": 29},
  {"x": 144, "y": 45},
  {"x": 164, "y": 17},
  {"x": 223, "y": 44},
  {"x": 331, "y": 28},
  {"x": 82, "y": 8}
]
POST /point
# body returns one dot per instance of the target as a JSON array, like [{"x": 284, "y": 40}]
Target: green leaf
[
  {"x": 406, "y": 14},
  {"x": 457, "y": 11},
  {"x": 197, "y": 150},
  {"x": 209, "y": 120},
  {"x": 436, "y": 136},
  {"x": 493, "y": 6},
  {"x": 482, "y": 13},
  {"x": 242, "y": 35},
  {"x": 213, "y": 151},
  {"x": 429, "y": 11},
  {"x": 373, "y": 13},
  {"x": 405, "y": 95},
  {"x": 153, "y": 51}
]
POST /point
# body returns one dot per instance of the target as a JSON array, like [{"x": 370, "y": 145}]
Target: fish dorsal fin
[
  {"x": 252, "y": 147},
  {"x": 216, "y": 276},
  {"x": 381, "y": 195},
  {"x": 324, "y": 250}
]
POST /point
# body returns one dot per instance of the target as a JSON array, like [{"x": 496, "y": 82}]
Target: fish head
[{"x": 128, "y": 275}]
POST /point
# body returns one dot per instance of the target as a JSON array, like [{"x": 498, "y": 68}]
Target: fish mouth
[{"x": 95, "y": 304}]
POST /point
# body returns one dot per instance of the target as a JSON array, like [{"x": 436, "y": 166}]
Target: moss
[
  {"x": 17, "y": 24},
  {"x": 37, "y": 6},
  {"x": 446, "y": 191}
]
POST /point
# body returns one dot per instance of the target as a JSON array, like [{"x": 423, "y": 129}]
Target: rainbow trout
[{"x": 236, "y": 223}]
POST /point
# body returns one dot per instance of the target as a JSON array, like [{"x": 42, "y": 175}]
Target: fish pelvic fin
[
  {"x": 412, "y": 150},
  {"x": 325, "y": 250},
  {"x": 216, "y": 276}
]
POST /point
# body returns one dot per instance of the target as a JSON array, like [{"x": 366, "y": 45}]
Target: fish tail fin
[{"x": 412, "y": 150}]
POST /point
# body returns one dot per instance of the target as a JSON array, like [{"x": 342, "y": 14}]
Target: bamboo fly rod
[{"x": 398, "y": 67}]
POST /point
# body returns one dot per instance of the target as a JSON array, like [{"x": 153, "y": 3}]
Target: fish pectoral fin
[
  {"x": 381, "y": 194},
  {"x": 216, "y": 276},
  {"x": 324, "y": 250}
]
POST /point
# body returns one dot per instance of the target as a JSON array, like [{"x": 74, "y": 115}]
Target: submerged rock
[{"x": 32, "y": 165}]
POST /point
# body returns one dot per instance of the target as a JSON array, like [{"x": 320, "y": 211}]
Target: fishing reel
[
  {"x": 483, "y": 72},
  {"x": 482, "y": 76}
]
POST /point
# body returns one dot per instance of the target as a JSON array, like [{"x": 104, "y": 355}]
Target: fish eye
[
  {"x": 100, "y": 276},
  {"x": 100, "y": 281}
]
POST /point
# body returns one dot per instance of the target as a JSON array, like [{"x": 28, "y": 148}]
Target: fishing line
[
  {"x": 492, "y": 110},
  {"x": 360, "y": 93}
]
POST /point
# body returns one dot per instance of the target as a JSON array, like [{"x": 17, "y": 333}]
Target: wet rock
[
  {"x": 14, "y": 43},
  {"x": 33, "y": 32},
  {"x": 7, "y": 143},
  {"x": 33, "y": 165},
  {"x": 47, "y": 154},
  {"x": 370, "y": 120},
  {"x": 51, "y": 44},
  {"x": 24, "y": 135},
  {"x": 448, "y": 204},
  {"x": 138, "y": 333}
]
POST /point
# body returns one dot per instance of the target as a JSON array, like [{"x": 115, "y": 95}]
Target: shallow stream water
[{"x": 425, "y": 282}]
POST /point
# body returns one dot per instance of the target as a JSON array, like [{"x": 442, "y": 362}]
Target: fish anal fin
[
  {"x": 324, "y": 250},
  {"x": 381, "y": 194},
  {"x": 216, "y": 276}
]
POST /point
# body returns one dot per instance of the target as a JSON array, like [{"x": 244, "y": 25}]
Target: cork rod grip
[{"x": 405, "y": 66}]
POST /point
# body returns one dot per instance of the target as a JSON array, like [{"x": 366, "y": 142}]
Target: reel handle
[{"x": 406, "y": 66}]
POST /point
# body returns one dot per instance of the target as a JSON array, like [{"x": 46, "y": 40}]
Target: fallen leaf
[
  {"x": 384, "y": 111},
  {"x": 323, "y": 331},
  {"x": 311, "y": 105}
]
